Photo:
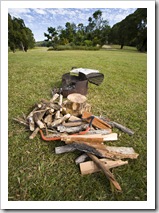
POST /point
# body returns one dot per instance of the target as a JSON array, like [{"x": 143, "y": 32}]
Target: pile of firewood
[{"x": 71, "y": 121}]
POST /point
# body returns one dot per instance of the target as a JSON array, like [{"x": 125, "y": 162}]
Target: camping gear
[{"x": 76, "y": 81}]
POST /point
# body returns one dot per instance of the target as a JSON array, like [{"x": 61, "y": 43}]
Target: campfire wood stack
[{"x": 71, "y": 121}]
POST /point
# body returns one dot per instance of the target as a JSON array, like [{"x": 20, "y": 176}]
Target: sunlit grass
[{"x": 35, "y": 172}]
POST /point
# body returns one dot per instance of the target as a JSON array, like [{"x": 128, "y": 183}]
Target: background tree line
[
  {"x": 132, "y": 31},
  {"x": 19, "y": 36}
]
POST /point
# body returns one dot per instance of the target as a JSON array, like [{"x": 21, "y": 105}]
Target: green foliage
[
  {"x": 19, "y": 36},
  {"x": 35, "y": 172},
  {"x": 131, "y": 31}
]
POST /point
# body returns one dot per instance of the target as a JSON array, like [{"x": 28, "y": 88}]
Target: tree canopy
[
  {"x": 131, "y": 31},
  {"x": 19, "y": 36}
]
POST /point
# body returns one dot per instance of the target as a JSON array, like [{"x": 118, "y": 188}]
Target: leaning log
[{"x": 106, "y": 171}]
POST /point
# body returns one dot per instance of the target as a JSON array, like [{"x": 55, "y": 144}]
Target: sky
[{"x": 39, "y": 19}]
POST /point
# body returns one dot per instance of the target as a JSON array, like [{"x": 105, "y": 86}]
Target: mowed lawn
[{"x": 35, "y": 172}]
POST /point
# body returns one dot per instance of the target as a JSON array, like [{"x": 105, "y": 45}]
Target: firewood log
[
  {"x": 72, "y": 130},
  {"x": 106, "y": 171},
  {"x": 90, "y": 167}
]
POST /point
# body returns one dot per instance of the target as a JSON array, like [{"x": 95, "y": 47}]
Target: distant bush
[{"x": 74, "y": 47}]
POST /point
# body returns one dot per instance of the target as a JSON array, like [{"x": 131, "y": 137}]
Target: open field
[{"x": 35, "y": 172}]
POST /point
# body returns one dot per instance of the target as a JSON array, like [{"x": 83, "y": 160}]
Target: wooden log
[
  {"x": 57, "y": 115},
  {"x": 123, "y": 128},
  {"x": 72, "y": 123},
  {"x": 37, "y": 119},
  {"x": 71, "y": 130},
  {"x": 32, "y": 136},
  {"x": 48, "y": 119},
  {"x": 106, "y": 171},
  {"x": 81, "y": 158},
  {"x": 90, "y": 167},
  {"x": 94, "y": 138},
  {"x": 122, "y": 152},
  {"x": 54, "y": 97},
  {"x": 31, "y": 123},
  {"x": 102, "y": 150},
  {"x": 60, "y": 120},
  {"x": 99, "y": 123},
  {"x": 99, "y": 131},
  {"x": 64, "y": 149}
]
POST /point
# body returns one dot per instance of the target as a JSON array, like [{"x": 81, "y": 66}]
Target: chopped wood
[
  {"x": 48, "y": 119},
  {"x": 106, "y": 171},
  {"x": 31, "y": 123},
  {"x": 60, "y": 120},
  {"x": 54, "y": 97},
  {"x": 97, "y": 138},
  {"x": 81, "y": 158},
  {"x": 102, "y": 150},
  {"x": 99, "y": 123},
  {"x": 32, "y": 136},
  {"x": 71, "y": 130},
  {"x": 99, "y": 131},
  {"x": 72, "y": 123},
  {"x": 37, "y": 119},
  {"x": 74, "y": 118},
  {"x": 123, "y": 152},
  {"x": 64, "y": 149},
  {"x": 57, "y": 115},
  {"x": 90, "y": 167}
]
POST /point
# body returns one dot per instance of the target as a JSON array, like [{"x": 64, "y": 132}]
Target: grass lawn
[{"x": 35, "y": 172}]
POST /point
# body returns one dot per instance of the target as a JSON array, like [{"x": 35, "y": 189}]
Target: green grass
[{"x": 35, "y": 172}]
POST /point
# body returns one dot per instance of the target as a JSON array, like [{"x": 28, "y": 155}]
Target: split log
[
  {"x": 71, "y": 130},
  {"x": 97, "y": 138},
  {"x": 122, "y": 152},
  {"x": 99, "y": 131},
  {"x": 72, "y": 123},
  {"x": 99, "y": 123},
  {"x": 106, "y": 171},
  {"x": 90, "y": 167},
  {"x": 104, "y": 151}
]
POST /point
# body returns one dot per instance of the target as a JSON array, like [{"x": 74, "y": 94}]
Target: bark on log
[
  {"x": 64, "y": 149},
  {"x": 81, "y": 158},
  {"x": 122, "y": 128},
  {"x": 71, "y": 130}
]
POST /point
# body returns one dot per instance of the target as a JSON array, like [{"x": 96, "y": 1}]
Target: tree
[
  {"x": 52, "y": 36},
  {"x": 19, "y": 36},
  {"x": 131, "y": 31}
]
